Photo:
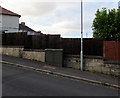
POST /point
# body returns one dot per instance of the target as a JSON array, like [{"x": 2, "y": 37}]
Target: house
[
  {"x": 9, "y": 21},
  {"x": 23, "y": 28},
  {"x": 39, "y": 33}
]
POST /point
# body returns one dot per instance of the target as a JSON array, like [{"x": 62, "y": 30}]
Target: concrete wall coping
[
  {"x": 112, "y": 62},
  {"x": 53, "y": 49},
  {"x": 76, "y": 56},
  {"x": 85, "y": 56},
  {"x": 93, "y": 57},
  {"x": 5, "y": 46},
  {"x": 35, "y": 50}
]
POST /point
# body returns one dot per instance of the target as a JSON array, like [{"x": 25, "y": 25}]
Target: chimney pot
[{"x": 23, "y": 23}]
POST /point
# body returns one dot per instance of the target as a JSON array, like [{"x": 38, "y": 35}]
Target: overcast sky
[{"x": 58, "y": 16}]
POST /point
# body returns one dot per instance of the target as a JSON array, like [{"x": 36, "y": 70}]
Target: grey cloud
[
  {"x": 38, "y": 9},
  {"x": 71, "y": 25}
]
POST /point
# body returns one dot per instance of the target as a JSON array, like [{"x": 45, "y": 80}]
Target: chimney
[{"x": 23, "y": 23}]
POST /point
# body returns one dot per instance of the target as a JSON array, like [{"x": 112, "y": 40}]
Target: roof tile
[{"x": 8, "y": 12}]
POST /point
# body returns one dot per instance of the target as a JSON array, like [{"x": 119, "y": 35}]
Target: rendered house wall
[{"x": 9, "y": 23}]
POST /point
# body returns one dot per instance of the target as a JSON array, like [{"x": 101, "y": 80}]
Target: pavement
[{"x": 96, "y": 78}]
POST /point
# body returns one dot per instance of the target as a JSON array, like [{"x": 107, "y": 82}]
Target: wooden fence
[
  {"x": 71, "y": 46},
  {"x": 112, "y": 51},
  {"x": 14, "y": 39},
  {"x": 42, "y": 42}
]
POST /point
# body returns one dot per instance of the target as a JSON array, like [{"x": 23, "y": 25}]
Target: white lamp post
[{"x": 81, "y": 36}]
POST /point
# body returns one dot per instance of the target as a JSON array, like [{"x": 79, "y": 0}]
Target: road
[{"x": 23, "y": 82}]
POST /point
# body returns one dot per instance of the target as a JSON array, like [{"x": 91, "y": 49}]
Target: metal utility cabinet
[{"x": 54, "y": 57}]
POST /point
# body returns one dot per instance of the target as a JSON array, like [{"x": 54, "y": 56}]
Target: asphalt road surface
[{"x": 23, "y": 82}]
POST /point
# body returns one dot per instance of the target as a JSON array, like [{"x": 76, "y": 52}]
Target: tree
[{"x": 106, "y": 24}]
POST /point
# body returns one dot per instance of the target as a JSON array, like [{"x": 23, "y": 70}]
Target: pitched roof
[
  {"x": 8, "y": 12},
  {"x": 25, "y": 28}
]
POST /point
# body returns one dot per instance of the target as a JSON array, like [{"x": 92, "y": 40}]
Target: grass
[
  {"x": 113, "y": 74},
  {"x": 102, "y": 83}
]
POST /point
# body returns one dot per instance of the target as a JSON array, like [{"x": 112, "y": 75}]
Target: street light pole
[{"x": 81, "y": 36}]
